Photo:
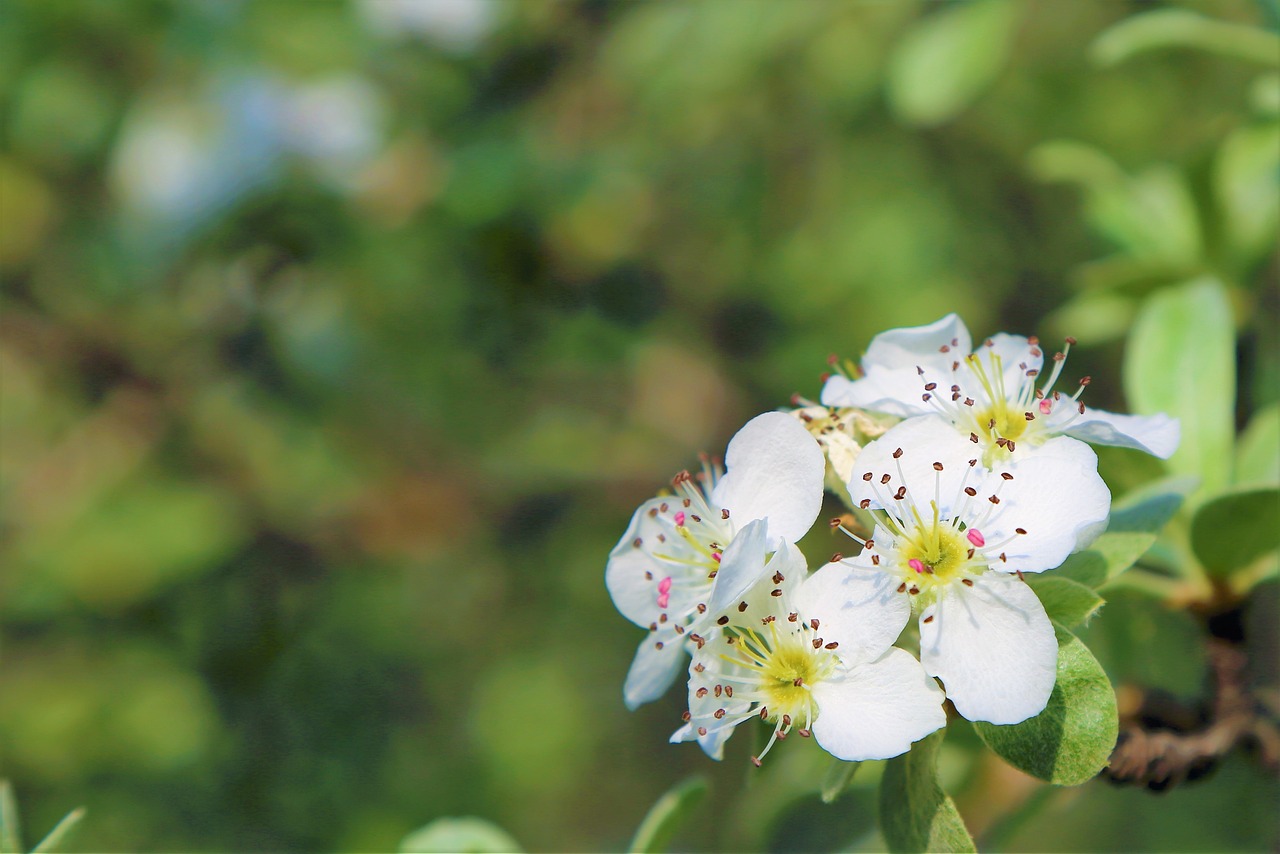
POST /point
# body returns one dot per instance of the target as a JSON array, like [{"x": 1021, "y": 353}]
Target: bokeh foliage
[{"x": 339, "y": 340}]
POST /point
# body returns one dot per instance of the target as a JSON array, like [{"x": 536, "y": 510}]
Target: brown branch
[{"x": 1166, "y": 742}]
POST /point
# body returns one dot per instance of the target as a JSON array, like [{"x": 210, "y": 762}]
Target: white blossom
[
  {"x": 990, "y": 394},
  {"x": 950, "y": 544},
  {"x": 794, "y": 652},
  {"x": 689, "y": 554}
]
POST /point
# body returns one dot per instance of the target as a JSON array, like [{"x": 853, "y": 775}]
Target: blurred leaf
[
  {"x": 1247, "y": 186},
  {"x": 1180, "y": 360},
  {"x": 915, "y": 814},
  {"x": 837, "y": 780},
  {"x": 1264, "y": 94},
  {"x": 1231, "y": 531},
  {"x": 54, "y": 839},
  {"x": 667, "y": 814},
  {"x": 1065, "y": 601},
  {"x": 462, "y": 835},
  {"x": 1093, "y": 318},
  {"x": 1071, "y": 740},
  {"x": 1149, "y": 508},
  {"x": 948, "y": 59},
  {"x": 10, "y": 823},
  {"x": 138, "y": 539},
  {"x": 1167, "y": 28},
  {"x": 1144, "y": 640},
  {"x": 1258, "y": 450},
  {"x": 1152, "y": 214}
]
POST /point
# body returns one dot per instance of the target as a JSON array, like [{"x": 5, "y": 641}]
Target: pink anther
[
  {"x": 664, "y": 592},
  {"x": 915, "y": 564},
  {"x": 679, "y": 517},
  {"x": 715, "y": 556},
  {"x": 1045, "y": 406},
  {"x": 975, "y": 536}
]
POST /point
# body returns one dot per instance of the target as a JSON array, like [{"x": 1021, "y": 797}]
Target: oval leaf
[
  {"x": 665, "y": 817},
  {"x": 1065, "y": 601},
  {"x": 471, "y": 835},
  {"x": 948, "y": 59},
  {"x": 1232, "y": 531},
  {"x": 915, "y": 814},
  {"x": 1072, "y": 739},
  {"x": 1180, "y": 360}
]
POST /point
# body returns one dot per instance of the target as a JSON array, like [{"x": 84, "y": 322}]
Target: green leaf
[
  {"x": 60, "y": 831},
  {"x": 1166, "y": 28},
  {"x": 1072, "y": 739},
  {"x": 1232, "y": 531},
  {"x": 470, "y": 835},
  {"x": 837, "y": 779},
  {"x": 915, "y": 814},
  {"x": 1147, "y": 509},
  {"x": 1065, "y": 601},
  {"x": 665, "y": 817},
  {"x": 10, "y": 825},
  {"x": 1180, "y": 360},
  {"x": 1247, "y": 185},
  {"x": 948, "y": 59},
  {"x": 1153, "y": 214},
  {"x": 1110, "y": 555},
  {"x": 1258, "y": 450}
]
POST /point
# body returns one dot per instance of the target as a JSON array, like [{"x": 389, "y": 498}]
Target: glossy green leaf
[
  {"x": 1180, "y": 360},
  {"x": 915, "y": 814},
  {"x": 1072, "y": 739},
  {"x": 470, "y": 835},
  {"x": 837, "y": 779},
  {"x": 665, "y": 817},
  {"x": 1168, "y": 28},
  {"x": 1258, "y": 450},
  {"x": 1065, "y": 601},
  {"x": 948, "y": 59},
  {"x": 1232, "y": 531}
]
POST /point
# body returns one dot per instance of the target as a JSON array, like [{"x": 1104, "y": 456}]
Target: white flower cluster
[{"x": 968, "y": 471}]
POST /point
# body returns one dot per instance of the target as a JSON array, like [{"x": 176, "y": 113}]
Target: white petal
[
  {"x": 741, "y": 565},
  {"x": 876, "y": 710},
  {"x": 1156, "y": 434},
  {"x": 860, "y": 609},
  {"x": 993, "y": 648},
  {"x": 910, "y": 345},
  {"x": 774, "y": 470},
  {"x": 891, "y": 381},
  {"x": 652, "y": 672},
  {"x": 634, "y": 594},
  {"x": 1057, "y": 497},
  {"x": 924, "y": 440}
]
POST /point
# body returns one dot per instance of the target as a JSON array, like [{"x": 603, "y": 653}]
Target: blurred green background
[{"x": 340, "y": 340}]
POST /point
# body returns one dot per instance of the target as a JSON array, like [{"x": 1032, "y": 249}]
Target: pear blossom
[
  {"x": 951, "y": 542},
  {"x": 689, "y": 554},
  {"x": 794, "y": 652},
  {"x": 990, "y": 395}
]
